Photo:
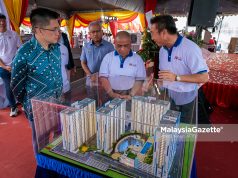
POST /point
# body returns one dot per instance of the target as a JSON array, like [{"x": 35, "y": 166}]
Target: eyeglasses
[
  {"x": 96, "y": 31},
  {"x": 125, "y": 46},
  {"x": 2, "y": 20},
  {"x": 51, "y": 30}
]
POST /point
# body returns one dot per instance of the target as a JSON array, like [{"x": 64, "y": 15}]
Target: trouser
[
  {"x": 6, "y": 77},
  {"x": 188, "y": 111},
  {"x": 34, "y": 139}
]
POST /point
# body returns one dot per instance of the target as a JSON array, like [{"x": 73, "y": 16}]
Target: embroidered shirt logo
[
  {"x": 133, "y": 65},
  {"x": 178, "y": 58}
]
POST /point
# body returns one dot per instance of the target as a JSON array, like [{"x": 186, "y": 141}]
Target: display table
[
  {"x": 48, "y": 164},
  {"x": 221, "y": 95},
  {"x": 51, "y": 163},
  {"x": 222, "y": 88},
  {"x": 50, "y": 167}
]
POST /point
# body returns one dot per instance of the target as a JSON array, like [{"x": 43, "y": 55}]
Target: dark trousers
[
  {"x": 188, "y": 112},
  {"x": 6, "y": 77},
  {"x": 34, "y": 139}
]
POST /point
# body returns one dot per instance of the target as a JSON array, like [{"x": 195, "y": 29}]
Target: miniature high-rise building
[
  {"x": 110, "y": 124},
  {"x": 165, "y": 144},
  {"x": 78, "y": 125},
  {"x": 147, "y": 112}
]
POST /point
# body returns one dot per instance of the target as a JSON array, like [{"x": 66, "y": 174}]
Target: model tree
[{"x": 149, "y": 48}]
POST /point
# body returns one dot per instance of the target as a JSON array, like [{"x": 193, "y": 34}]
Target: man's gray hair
[
  {"x": 123, "y": 34},
  {"x": 95, "y": 23}
]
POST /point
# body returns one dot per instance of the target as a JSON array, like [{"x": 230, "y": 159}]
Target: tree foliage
[{"x": 149, "y": 47}]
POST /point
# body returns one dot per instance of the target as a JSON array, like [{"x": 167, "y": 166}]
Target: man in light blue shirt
[{"x": 94, "y": 51}]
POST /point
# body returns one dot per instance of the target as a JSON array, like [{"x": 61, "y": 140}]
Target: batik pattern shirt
[{"x": 36, "y": 71}]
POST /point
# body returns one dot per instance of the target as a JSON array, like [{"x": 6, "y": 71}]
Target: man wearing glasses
[
  {"x": 9, "y": 42},
  {"x": 36, "y": 68},
  {"x": 94, "y": 51},
  {"x": 122, "y": 72}
]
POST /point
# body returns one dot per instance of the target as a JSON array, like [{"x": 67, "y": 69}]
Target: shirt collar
[
  {"x": 177, "y": 42},
  {"x": 169, "y": 50},
  {"x": 92, "y": 43},
  {"x": 4, "y": 33},
  {"x": 129, "y": 55}
]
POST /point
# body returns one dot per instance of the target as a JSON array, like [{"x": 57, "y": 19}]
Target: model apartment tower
[
  {"x": 110, "y": 124},
  {"x": 78, "y": 125},
  {"x": 147, "y": 113},
  {"x": 165, "y": 144}
]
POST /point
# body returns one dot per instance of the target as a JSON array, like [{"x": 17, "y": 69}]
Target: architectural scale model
[{"x": 144, "y": 146}]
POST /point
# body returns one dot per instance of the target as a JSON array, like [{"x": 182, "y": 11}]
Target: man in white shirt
[
  {"x": 181, "y": 65},
  {"x": 9, "y": 43},
  {"x": 122, "y": 72},
  {"x": 64, "y": 62}
]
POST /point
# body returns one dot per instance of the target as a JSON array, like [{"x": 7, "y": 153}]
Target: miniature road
[{"x": 104, "y": 163}]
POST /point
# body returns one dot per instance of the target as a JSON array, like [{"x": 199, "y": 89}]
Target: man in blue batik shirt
[{"x": 36, "y": 68}]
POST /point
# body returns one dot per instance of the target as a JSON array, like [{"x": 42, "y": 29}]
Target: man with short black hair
[
  {"x": 9, "y": 43},
  {"x": 182, "y": 66},
  {"x": 175, "y": 48},
  {"x": 37, "y": 65}
]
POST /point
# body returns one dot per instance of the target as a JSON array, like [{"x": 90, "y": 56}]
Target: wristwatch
[{"x": 177, "y": 78}]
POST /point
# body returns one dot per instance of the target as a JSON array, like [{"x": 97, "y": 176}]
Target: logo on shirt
[
  {"x": 178, "y": 58},
  {"x": 133, "y": 65}
]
